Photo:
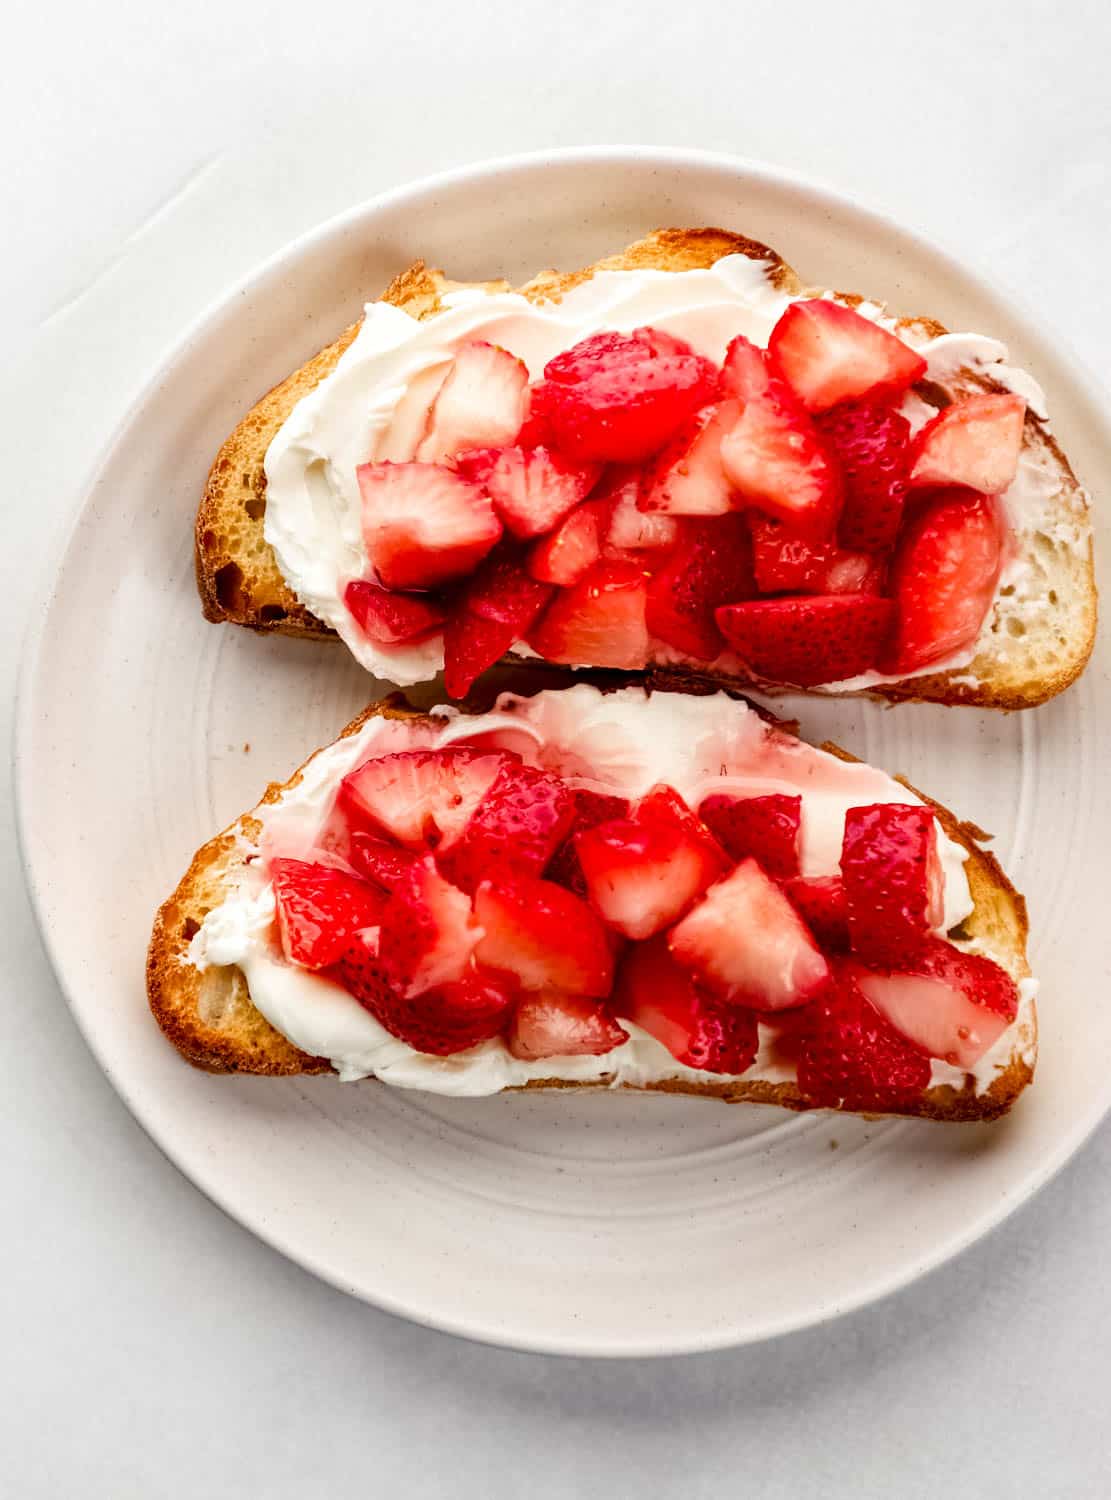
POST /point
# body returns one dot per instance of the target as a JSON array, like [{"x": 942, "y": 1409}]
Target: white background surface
[{"x": 152, "y": 1348}]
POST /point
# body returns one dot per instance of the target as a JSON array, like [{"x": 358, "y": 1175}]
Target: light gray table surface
[{"x": 150, "y": 1347}]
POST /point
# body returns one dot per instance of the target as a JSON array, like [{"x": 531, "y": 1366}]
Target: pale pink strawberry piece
[
  {"x": 627, "y": 527},
  {"x": 599, "y": 622},
  {"x": 641, "y": 877},
  {"x": 375, "y": 859},
  {"x": 548, "y": 1024},
  {"x": 699, "y": 1030},
  {"x": 571, "y": 549},
  {"x": 688, "y": 478},
  {"x": 421, "y": 798},
  {"x": 481, "y": 404},
  {"x": 820, "y": 901},
  {"x": 532, "y": 489},
  {"x": 515, "y": 830},
  {"x": 871, "y": 443},
  {"x": 763, "y": 828},
  {"x": 807, "y": 640},
  {"x": 710, "y": 565},
  {"x": 852, "y": 1057},
  {"x": 544, "y": 935},
  {"x": 746, "y": 942},
  {"x": 976, "y": 442},
  {"x": 828, "y": 353},
  {"x": 319, "y": 910},
  {"x": 423, "y": 524},
  {"x": 785, "y": 563},
  {"x": 590, "y": 809},
  {"x": 894, "y": 886},
  {"x": 493, "y": 611},
  {"x": 428, "y": 931},
  {"x": 389, "y": 618}
]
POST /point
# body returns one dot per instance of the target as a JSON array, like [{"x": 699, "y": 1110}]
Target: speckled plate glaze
[{"x": 591, "y": 1223}]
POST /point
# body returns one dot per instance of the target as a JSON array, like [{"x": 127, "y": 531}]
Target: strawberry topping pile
[
  {"x": 465, "y": 894},
  {"x": 637, "y": 502}
]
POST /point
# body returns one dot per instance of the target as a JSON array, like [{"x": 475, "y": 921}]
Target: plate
[{"x": 600, "y": 1224}]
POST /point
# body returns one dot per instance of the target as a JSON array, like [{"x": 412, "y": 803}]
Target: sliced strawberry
[
  {"x": 428, "y": 931},
  {"x": 894, "y": 886},
  {"x": 628, "y": 528},
  {"x": 384, "y": 864},
  {"x": 516, "y": 828},
  {"x": 975, "y": 442},
  {"x": 532, "y": 488},
  {"x": 599, "y": 622},
  {"x": 319, "y": 910},
  {"x": 659, "y": 995},
  {"x": 687, "y": 478},
  {"x": 806, "y": 641},
  {"x": 423, "y": 524},
  {"x": 785, "y": 563},
  {"x": 829, "y": 353},
  {"x": 422, "y": 798},
  {"x": 643, "y": 875},
  {"x": 591, "y": 808},
  {"x": 493, "y": 611},
  {"x": 871, "y": 443},
  {"x": 852, "y": 1057},
  {"x": 746, "y": 942},
  {"x": 544, "y": 935},
  {"x": 820, "y": 901},
  {"x": 662, "y": 807},
  {"x": 943, "y": 579},
  {"x": 710, "y": 566},
  {"x": 481, "y": 404},
  {"x": 388, "y": 618},
  {"x": 763, "y": 828},
  {"x": 548, "y": 1024},
  {"x": 575, "y": 545}
]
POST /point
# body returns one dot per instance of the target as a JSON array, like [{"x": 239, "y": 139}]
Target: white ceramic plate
[{"x": 592, "y": 1224}]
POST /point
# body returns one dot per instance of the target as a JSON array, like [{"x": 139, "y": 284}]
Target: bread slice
[
  {"x": 1025, "y": 656},
  {"x": 210, "y": 1018}
]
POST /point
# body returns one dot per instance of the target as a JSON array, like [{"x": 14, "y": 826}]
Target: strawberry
[
  {"x": 548, "y": 1024},
  {"x": 785, "y": 563},
  {"x": 423, "y": 524},
  {"x": 853, "y": 1057},
  {"x": 494, "y": 610},
  {"x": 745, "y": 942},
  {"x": 422, "y": 798},
  {"x": 975, "y": 442},
  {"x": 871, "y": 443},
  {"x": 765, "y": 828},
  {"x": 565, "y": 554},
  {"x": 662, "y": 807},
  {"x": 389, "y": 618},
  {"x": 515, "y": 829},
  {"x": 894, "y": 887},
  {"x": 805, "y": 641},
  {"x": 820, "y": 901},
  {"x": 628, "y": 528},
  {"x": 384, "y": 864},
  {"x": 599, "y": 622},
  {"x": 660, "y": 996},
  {"x": 533, "y": 489},
  {"x": 828, "y": 353},
  {"x": 481, "y": 404},
  {"x": 943, "y": 579},
  {"x": 687, "y": 478},
  {"x": 428, "y": 931},
  {"x": 590, "y": 809},
  {"x": 544, "y": 935},
  {"x": 710, "y": 566},
  {"x": 319, "y": 910},
  {"x": 642, "y": 875}
]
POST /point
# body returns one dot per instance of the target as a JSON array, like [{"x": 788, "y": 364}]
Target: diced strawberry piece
[
  {"x": 806, "y": 641},
  {"x": 746, "y": 374},
  {"x": 384, "y": 864},
  {"x": 763, "y": 828},
  {"x": 710, "y": 566},
  {"x": 427, "y": 933},
  {"x": 599, "y": 622},
  {"x": 894, "y": 886},
  {"x": 537, "y": 430},
  {"x": 871, "y": 443},
  {"x": 422, "y": 798},
  {"x": 494, "y": 610},
  {"x": 975, "y": 442},
  {"x": 943, "y": 579},
  {"x": 659, "y": 995},
  {"x": 628, "y": 528},
  {"x": 591, "y": 808},
  {"x": 544, "y": 935},
  {"x": 532, "y": 488},
  {"x": 820, "y": 901},
  {"x": 594, "y": 354},
  {"x": 548, "y": 1024},
  {"x": 481, "y": 404},
  {"x": 746, "y": 942},
  {"x": 423, "y": 524},
  {"x": 641, "y": 876},
  {"x": 574, "y": 546},
  {"x": 319, "y": 910},
  {"x": 852, "y": 1057},
  {"x": 662, "y": 807},
  {"x": 687, "y": 478},
  {"x": 389, "y": 618},
  {"x": 828, "y": 353},
  {"x": 516, "y": 828},
  {"x": 785, "y": 563}
]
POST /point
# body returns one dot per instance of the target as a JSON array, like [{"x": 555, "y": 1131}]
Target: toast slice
[
  {"x": 1023, "y": 655},
  {"x": 209, "y": 1015}
]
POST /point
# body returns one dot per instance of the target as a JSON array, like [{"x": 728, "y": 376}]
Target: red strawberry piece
[
  {"x": 663, "y": 807},
  {"x": 385, "y": 864},
  {"x": 943, "y": 579},
  {"x": 894, "y": 887},
  {"x": 852, "y": 1057},
  {"x": 493, "y": 611},
  {"x": 599, "y": 622},
  {"x": 747, "y": 943},
  {"x": 423, "y": 524},
  {"x": 660, "y": 996},
  {"x": 548, "y": 1024},
  {"x": 590, "y": 809},
  {"x": 544, "y": 935},
  {"x": 710, "y": 566},
  {"x": 871, "y": 443},
  {"x": 422, "y": 798},
  {"x": 763, "y": 828},
  {"x": 820, "y": 901},
  {"x": 389, "y": 618},
  {"x": 805, "y": 641},
  {"x": 481, "y": 404},
  {"x": 829, "y": 353},
  {"x": 536, "y": 431},
  {"x": 687, "y": 478},
  {"x": 427, "y": 933},
  {"x": 642, "y": 875},
  {"x": 975, "y": 442},
  {"x": 319, "y": 910},
  {"x": 516, "y": 828},
  {"x": 575, "y": 545},
  {"x": 533, "y": 489},
  {"x": 785, "y": 563}
]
